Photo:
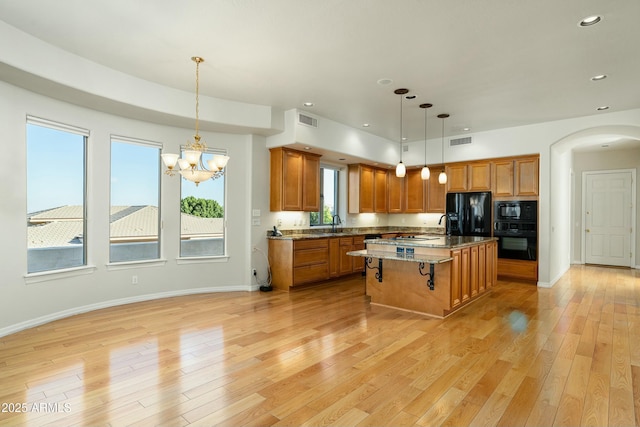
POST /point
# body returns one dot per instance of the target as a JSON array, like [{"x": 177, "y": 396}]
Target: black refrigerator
[{"x": 469, "y": 214}]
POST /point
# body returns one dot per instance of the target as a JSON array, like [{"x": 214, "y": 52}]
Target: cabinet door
[
  {"x": 415, "y": 192},
  {"x": 358, "y": 262},
  {"x": 310, "y": 183},
  {"x": 380, "y": 187},
  {"x": 526, "y": 177},
  {"x": 474, "y": 277},
  {"x": 292, "y": 181},
  {"x": 435, "y": 192},
  {"x": 367, "y": 182},
  {"x": 346, "y": 261},
  {"x": 395, "y": 190},
  {"x": 456, "y": 177},
  {"x": 334, "y": 257},
  {"x": 491, "y": 264},
  {"x": 482, "y": 268},
  {"x": 503, "y": 178},
  {"x": 465, "y": 279},
  {"x": 479, "y": 176},
  {"x": 456, "y": 284}
]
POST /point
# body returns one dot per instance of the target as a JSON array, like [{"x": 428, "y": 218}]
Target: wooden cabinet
[
  {"x": 414, "y": 190},
  {"x": 346, "y": 261},
  {"x": 456, "y": 177},
  {"x": 334, "y": 257},
  {"x": 305, "y": 261},
  {"x": 474, "y": 176},
  {"x": 518, "y": 269},
  {"x": 473, "y": 272},
  {"x": 380, "y": 191},
  {"x": 526, "y": 176},
  {"x": 358, "y": 245},
  {"x": 436, "y": 192},
  {"x": 516, "y": 177},
  {"x": 294, "y": 180},
  {"x": 395, "y": 193},
  {"x": 367, "y": 188}
]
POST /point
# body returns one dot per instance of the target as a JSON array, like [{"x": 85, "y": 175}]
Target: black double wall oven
[{"x": 516, "y": 226}]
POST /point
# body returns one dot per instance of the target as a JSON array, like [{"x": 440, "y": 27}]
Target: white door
[{"x": 608, "y": 218}]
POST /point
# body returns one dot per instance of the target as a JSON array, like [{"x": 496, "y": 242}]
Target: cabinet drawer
[
  {"x": 310, "y": 256},
  {"x": 310, "y": 273},
  {"x": 310, "y": 244},
  {"x": 346, "y": 241},
  {"x": 517, "y": 269}
]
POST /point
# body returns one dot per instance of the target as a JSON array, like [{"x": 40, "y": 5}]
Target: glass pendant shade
[
  {"x": 425, "y": 173},
  {"x": 192, "y": 157},
  {"x": 401, "y": 170},
  {"x": 442, "y": 178},
  {"x": 170, "y": 160}
]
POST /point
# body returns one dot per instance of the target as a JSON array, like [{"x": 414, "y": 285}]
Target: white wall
[{"x": 24, "y": 302}]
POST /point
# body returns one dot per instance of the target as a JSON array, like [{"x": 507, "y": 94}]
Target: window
[
  {"x": 328, "y": 197},
  {"x": 56, "y": 209},
  {"x": 202, "y": 218},
  {"x": 135, "y": 195}
]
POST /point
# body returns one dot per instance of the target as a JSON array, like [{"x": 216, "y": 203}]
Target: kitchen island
[{"x": 429, "y": 274}]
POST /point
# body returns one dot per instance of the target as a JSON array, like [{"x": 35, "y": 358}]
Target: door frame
[{"x": 632, "y": 246}]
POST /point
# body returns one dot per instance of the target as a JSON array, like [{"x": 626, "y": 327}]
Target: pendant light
[
  {"x": 425, "y": 173},
  {"x": 442, "y": 178},
  {"x": 401, "y": 169},
  {"x": 192, "y": 166}
]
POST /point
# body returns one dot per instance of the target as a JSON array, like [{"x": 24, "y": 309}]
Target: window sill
[
  {"x": 136, "y": 264},
  {"x": 46, "y": 276},
  {"x": 197, "y": 260}
]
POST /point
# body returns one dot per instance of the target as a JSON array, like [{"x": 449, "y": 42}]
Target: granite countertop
[
  {"x": 322, "y": 233},
  {"x": 394, "y": 256},
  {"x": 433, "y": 241}
]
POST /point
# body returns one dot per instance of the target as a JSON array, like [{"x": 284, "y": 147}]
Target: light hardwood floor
[{"x": 324, "y": 356}]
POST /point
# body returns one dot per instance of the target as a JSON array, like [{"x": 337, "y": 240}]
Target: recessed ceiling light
[
  {"x": 599, "y": 77},
  {"x": 411, "y": 96},
  {"x": 466, "y": 129},
  {"x": 342, "y": 159},
  {"x": 307, "y": 148},
  {"x": 604, "y": 145},
  {"x": 590, "y": 20},
  {"x": 365, "y": 125},
  {"x": 308, "y": 104},
  {"x": 404, "y": 138},
  {"x": 604, "y": 107},
  {"x": 384, "y": 82}
]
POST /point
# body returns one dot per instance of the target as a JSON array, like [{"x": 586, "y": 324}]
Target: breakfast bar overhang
[{"x": 432, "y": 275}]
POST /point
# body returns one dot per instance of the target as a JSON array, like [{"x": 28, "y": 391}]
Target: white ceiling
[{"x": 490, "y": 64}]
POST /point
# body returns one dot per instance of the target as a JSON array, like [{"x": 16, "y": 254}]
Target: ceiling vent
[
  {"x": 307, "y": 120},
  {"x": 460, "y": 141}
]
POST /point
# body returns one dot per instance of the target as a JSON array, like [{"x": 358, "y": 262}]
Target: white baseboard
[
  {"x": 554, "y": 280},
  {"x": 8, "y": 330}
]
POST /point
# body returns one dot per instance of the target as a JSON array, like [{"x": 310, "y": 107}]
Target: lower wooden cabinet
[
  {"x": 518, "y": 269},
  {"x": 305, "y": 261},
  {"x": 473, "y": 272}
]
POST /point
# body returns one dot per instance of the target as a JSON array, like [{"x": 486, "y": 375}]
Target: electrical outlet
[
  {"x": 254, "y": 272},
  {"x": 134, "y": 280}
]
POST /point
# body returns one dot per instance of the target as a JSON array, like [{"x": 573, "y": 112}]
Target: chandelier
[{"x": 191, "y": 164}]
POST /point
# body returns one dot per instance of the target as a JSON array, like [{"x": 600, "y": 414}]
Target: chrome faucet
[{"x": 333, "y": 222}]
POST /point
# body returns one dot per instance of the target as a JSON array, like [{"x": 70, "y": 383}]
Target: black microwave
[{"x": 526, "y": 210}]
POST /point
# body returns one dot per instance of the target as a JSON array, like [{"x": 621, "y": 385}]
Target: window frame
[
  {"x": 336, "y": 195},
  {"x": 85, "y": 267},
  {"x": 184, "y": 259},
  {"x": 148, "y": 144}
]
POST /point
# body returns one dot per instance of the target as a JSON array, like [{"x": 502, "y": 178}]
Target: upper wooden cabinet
[
  {"x": 395, "y": 193},
  {"x": 367, "y": 189},
  {"x": 516, "y": 177},
  {"x": 473, "y": 176},
  {"x": 294, "y": 180},
  {"x": 380, "y": 191},
  {"x": 415, "y": 192},
  {"x": 436, "y": 192}
]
